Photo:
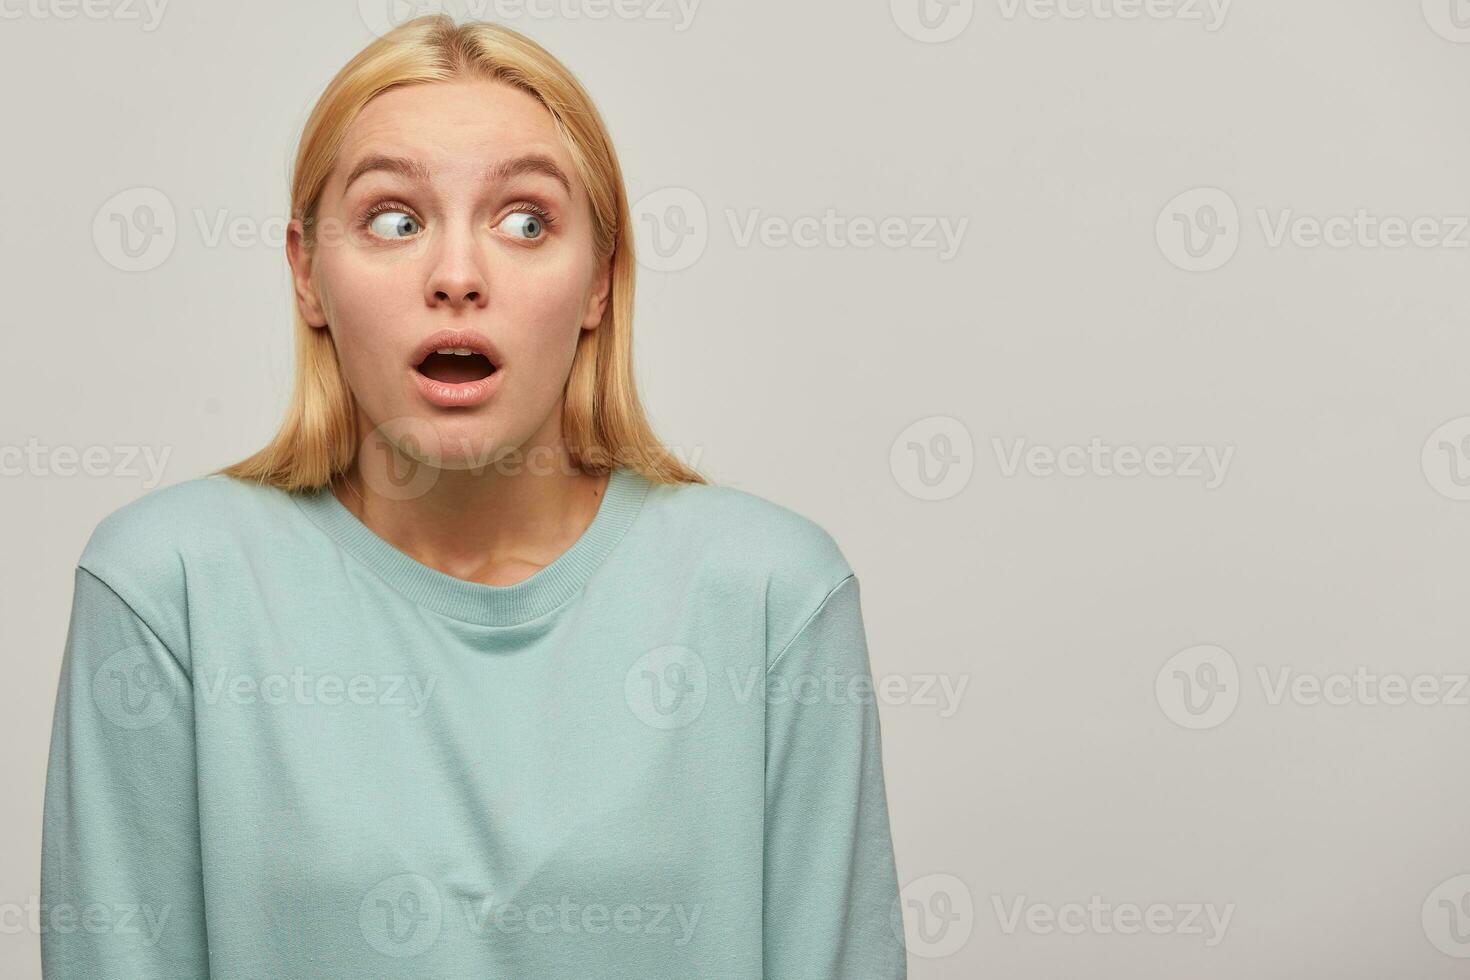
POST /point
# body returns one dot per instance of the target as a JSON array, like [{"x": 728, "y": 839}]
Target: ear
[
  {"x": 300, "y": 259},
  {"x": 597, "y": 298}
]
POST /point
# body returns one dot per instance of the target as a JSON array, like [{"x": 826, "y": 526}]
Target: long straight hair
[{"x": 603, "y": 422}]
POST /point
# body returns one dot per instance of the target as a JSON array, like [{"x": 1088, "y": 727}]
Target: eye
[
  {"x": 528, "y": 224},
  {"x": 394, "y": 224}
]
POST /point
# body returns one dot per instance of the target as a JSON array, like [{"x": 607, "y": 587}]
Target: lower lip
[{"x": 462, "y": 395}]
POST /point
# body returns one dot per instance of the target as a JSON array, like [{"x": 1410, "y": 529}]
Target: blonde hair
[{"x": 603, "y": 420}]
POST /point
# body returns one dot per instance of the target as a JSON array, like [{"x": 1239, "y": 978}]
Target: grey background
[{"x": 1335, "y": 377}]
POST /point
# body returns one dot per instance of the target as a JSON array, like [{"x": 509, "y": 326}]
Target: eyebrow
[{"x": 531, "y": 163}]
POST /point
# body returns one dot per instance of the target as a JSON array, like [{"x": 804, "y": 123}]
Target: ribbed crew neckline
[{"x": 476, "y": 602}]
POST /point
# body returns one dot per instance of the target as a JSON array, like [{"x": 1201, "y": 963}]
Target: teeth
[{"x": 461, "y": 351}]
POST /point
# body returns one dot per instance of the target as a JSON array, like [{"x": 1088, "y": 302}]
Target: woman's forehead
[{"x": 449, "y": 126}]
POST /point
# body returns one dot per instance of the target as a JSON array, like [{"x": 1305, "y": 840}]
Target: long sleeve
[
  {"x": 831, "y": 885},
  {"x": 121, "y": 881}
]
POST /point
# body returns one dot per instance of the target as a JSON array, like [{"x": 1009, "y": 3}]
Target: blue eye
[
  {"x": 394, "y": 224},
  {"x": 531, "y": 225}
]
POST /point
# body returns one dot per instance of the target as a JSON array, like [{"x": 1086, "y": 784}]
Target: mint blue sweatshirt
[{"x": 284, "y": 749}]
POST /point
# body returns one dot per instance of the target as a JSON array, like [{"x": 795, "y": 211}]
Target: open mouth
[{"x": 455, "y": 365}]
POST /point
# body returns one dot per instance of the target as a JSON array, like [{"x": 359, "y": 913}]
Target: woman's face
[{"x": 453, "y": 206}]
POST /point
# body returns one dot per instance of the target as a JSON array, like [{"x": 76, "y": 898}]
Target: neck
[{"x": 497, "y": 523}]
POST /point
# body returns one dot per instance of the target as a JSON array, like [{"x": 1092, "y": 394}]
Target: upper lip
[{"x": 472, "y": 339}]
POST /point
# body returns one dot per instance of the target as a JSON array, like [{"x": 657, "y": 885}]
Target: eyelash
[{"x": 529, "y": 207}]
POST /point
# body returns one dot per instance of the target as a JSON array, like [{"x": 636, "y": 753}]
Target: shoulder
[
  {"x": 142, "y": 549},
  {"x": 153, "y": 530},
  {"x": 790, "y": 556}
]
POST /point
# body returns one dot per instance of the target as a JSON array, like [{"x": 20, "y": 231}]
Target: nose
[{"x": 457, "y": 278}]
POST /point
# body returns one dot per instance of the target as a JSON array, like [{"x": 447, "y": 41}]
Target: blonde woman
[{"x": 464, "y": 675}]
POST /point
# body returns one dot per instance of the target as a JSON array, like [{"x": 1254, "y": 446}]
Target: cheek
[
  {"x": 540, "y": 309},
  {"x": 366, "y": 311}
]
